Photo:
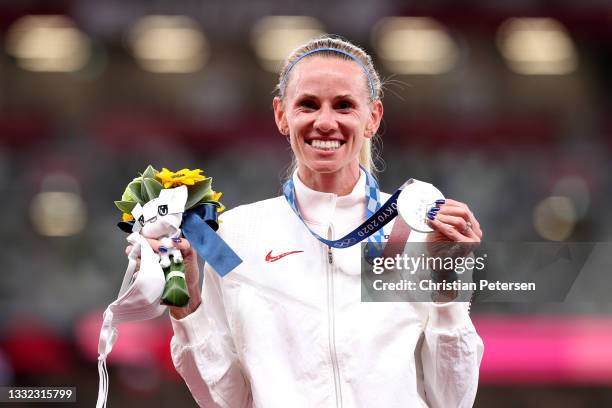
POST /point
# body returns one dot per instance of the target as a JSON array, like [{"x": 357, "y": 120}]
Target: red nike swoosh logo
[{"x": 270, "y": 258}]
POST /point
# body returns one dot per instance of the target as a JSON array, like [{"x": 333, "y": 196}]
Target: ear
[
  {"x": 279, "y": 116},
  {"x": 376, "y": 114}
]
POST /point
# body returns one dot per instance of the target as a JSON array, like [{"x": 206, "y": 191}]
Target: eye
[
  {"x": 344, "y": 105},
  {"x": 162, "y": 209},
  {"x": 141, "y": 220},
  {"x": 308, "y": 104}
]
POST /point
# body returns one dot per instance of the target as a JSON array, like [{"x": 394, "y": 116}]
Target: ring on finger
[{"x": 468, "y": 227}]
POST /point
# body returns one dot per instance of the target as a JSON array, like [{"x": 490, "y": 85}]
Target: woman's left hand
[
  {"x": 453, "y": 222},
  {"x": 456, "y": 233}
]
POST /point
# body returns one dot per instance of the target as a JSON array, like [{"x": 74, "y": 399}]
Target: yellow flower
[
  {"x": 182, "y": 177},
  {"x": 216, "y": 196},
  {"x": 127, "y": 217}
]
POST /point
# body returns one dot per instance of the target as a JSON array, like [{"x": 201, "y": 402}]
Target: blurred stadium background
[{"x": 504, "y": 105}]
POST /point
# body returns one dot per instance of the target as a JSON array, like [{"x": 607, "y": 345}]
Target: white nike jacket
[{"x": 288, "y": 329}]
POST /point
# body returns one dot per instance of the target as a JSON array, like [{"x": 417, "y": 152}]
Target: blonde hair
[{"x": 368, "y": 153}]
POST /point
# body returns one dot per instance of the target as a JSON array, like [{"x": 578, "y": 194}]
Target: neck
[{"x": 340, "y": 182}]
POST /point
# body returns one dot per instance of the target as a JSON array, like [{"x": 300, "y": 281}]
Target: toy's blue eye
[
  {"x": 162, "y": 210},
  {"x": 141, "y": 220}
]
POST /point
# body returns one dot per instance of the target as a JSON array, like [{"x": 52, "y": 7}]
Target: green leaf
[
  {"x": 143, "y": 191},
  {"x": 208, "y": 196},
  {"x": 197, "y": 192},
  {"x": 125, "y": 206},
  {"x": 175, "y": 291},
  {"x": 135, "y": 191},
  {"x": 152, "y": 187},
  {"x": 150, "y": 172},
  {"x": 127, "y": 195},
  {"x": 148, "y": 194}
]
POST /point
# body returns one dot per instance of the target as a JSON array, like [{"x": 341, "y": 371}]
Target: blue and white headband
[{"x": 339, "y": 51}]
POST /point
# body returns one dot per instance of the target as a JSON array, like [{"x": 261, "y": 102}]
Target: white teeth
[{"x": 325, "y": 144}]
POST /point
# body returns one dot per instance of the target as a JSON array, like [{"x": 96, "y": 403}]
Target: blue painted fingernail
[
  {"x": 177, "y": 240},
  {"x": 431, "y": 216},
  {"x": 434, "y": 209},
  {"x": 440, "y": 201},
  {"x": 163, "y": 249}
]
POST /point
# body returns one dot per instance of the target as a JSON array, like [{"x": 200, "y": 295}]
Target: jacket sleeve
[
  {"x": 204, "y": 354},
  {"x": 451, "y": 353}
]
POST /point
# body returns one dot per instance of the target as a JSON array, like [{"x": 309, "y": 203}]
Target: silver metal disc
[{"x": 414, "y": 202}]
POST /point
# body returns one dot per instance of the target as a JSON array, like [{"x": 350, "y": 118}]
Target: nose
[{"x": 325, "y": 121}]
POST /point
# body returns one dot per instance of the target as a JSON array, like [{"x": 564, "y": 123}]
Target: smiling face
[{"x": 328, "y": 114}]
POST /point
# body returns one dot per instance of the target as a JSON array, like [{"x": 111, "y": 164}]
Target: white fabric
[
  {"x": 140, "y": 294},
  {"x": 294, "y": 333},
  {"x": 139, "y": 299},
  {"x": 155, "y": 224}
]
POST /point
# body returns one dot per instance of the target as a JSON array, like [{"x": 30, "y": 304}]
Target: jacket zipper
[{"x": 332, "y": 320}]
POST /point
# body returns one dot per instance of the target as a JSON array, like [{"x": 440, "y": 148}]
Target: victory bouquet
[
  {"x": 155, "y": 203},
  {"x": 162, "y": 205}
]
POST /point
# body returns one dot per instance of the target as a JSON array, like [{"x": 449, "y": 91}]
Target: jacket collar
[{"x": 322, "y": 208}]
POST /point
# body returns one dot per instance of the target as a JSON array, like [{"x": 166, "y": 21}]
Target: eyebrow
[
  {"x": 312, "y": 96},
  {"x": 306, "y": 95}
]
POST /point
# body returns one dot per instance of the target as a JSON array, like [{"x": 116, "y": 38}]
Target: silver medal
[{"x": 414, "y": 202}]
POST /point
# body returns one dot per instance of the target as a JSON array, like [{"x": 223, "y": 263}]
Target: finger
[
  {"x": 447, "y": 230},
  {"x": 154, "y": 243},
  {"x": 454, "y": 203},
  {"x": 459, "y": 223},
  {"x": 471, "y": 233},
  {"x": 454, "y": 207},
  {"x": 184, "y": 246},
  {"x": 457, "y": 208},
  {"x": 464, "y": 213},
  {"x": 130, "y": 249},
  {"x": 455, "y": 211},
  {"x": 476, "y": 228},
  {"x": 180, "y": 243}
]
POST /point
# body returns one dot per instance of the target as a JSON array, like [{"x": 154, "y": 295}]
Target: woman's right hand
[{"x": 192, "y": 275}]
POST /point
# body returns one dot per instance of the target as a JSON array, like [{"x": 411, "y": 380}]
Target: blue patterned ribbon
[{"x": 377, "y": 216}]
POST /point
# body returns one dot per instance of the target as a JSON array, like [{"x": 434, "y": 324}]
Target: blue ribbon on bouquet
[{"x": 199, "y": 227}]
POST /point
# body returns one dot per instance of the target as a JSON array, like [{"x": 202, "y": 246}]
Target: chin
[{"x": 324, "y": 167}]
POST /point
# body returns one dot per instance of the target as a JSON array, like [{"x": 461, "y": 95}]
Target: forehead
[{"x": 322, "y": 75}]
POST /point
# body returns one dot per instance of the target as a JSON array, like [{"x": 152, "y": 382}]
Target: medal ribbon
[{"x": 377, "y": 216}]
